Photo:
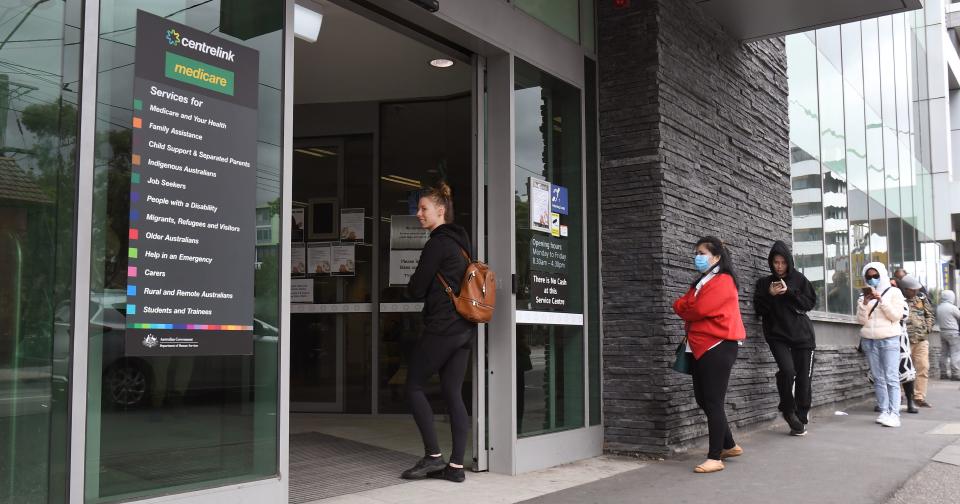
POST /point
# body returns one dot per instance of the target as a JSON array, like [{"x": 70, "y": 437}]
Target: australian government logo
[{"x": 150, "y": 341}]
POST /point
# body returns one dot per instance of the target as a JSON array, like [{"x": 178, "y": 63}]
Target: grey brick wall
[{"x": 694, "y": 141}]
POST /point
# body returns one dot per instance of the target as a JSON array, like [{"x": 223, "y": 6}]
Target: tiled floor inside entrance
[{"x": 336, "y": 454}]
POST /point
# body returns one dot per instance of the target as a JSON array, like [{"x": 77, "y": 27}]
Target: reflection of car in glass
[{"x": 128, "y": 381}]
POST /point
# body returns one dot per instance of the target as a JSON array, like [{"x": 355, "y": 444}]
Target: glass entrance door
[{"x": 332, "y": 254}]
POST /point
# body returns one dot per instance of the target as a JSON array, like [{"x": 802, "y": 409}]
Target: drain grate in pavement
[
  {"x": 324, "y": 466},
  {"x": 947, "y": 429}
]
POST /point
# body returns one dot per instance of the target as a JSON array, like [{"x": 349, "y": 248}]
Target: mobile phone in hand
[{"x": 867, "y": 291}]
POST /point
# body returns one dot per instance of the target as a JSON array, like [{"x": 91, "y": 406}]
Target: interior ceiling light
[
  {"x": 441, "y": 63},
  {"x": 307, "y": 21}
]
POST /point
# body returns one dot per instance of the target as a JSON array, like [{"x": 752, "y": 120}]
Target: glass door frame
[
  {"x": 508, "y": 453},
  {"x": 271, "y": 489}
]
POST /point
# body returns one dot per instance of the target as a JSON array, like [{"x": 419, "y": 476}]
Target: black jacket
[
  {"x": 785, "y": 316},
  {"x": 441, "y": 254}
]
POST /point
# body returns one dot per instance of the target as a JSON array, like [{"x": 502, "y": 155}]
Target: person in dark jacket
[
  {"x": 447, "y": 337},
  {"x": 782, "y": 299}
]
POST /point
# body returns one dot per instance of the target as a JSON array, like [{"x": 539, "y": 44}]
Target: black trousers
[
  {"x": 794, "y": 377},
  {"x": 448, "y": 354},
  {"x": 711, "y": 374}
]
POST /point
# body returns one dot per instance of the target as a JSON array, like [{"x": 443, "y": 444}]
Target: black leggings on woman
[
  {"x": 449, "y": 354},
  {"x": 711, "y": 373}
]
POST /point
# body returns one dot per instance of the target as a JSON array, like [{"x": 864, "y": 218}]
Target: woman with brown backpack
[{"x": 447, "y": 336}]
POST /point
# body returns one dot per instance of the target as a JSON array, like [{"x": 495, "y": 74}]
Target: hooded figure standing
[
  {"x": 948, "y": 318},
  {"x": 782, "y": 300}
]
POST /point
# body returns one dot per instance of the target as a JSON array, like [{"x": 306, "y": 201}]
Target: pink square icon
[{"x": 131, "y": 271}]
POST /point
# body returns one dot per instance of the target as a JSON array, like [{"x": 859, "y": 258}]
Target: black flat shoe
[
  {"x": 454, "y": 474},
  {"x": 912, "y": 409},
  {"x": 425, "y": 467}
]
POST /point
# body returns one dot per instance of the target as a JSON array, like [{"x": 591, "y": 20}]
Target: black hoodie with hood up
[
  {"x": 785, "y": 316},
  {"x": 441, "y": 254}
]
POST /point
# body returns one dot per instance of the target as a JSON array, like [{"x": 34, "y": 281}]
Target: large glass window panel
[
  {"x": 549, "y": 249},
  {"x": 834, "y": 161},
  {"x": 891, "y": 144},
  {"x": 876, "y": 200},
  {"x": 805, "y": 174},
  {"x": 549, "y": 378},
  {"x": 160, "y": 425},
  {"x": 855, "y": 125},
  {"x": 904, "y": 143},
  {"x": 39, "y": 83},
  {"x": 408, "y": 163}
]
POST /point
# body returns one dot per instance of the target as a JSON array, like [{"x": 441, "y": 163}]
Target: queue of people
[{"x": 895, "y": 316}]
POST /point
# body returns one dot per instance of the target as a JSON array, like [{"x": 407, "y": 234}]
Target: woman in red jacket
[{"x": 711, "y": 312}]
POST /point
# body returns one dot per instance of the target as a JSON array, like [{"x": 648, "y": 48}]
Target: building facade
[{"x": 205, "y": 219}]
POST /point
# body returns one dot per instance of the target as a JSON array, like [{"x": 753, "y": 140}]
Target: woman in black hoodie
[
  {"x": 447, "y": 337},
  {"x": 783, "y": 299}
]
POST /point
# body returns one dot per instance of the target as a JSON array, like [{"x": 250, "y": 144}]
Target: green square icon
[
  {"x": 134, "y": 178},
  {"x": 132, "y": 253},
  {"x": 138, "y": 104}
]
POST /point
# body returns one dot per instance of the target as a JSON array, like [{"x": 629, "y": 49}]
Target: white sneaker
[
  {"x": 891, "y": 421},
  {"x": 882, "y": 418}
]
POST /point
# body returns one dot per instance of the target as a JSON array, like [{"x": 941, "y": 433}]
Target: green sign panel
[{"x": 198, "y": 73}]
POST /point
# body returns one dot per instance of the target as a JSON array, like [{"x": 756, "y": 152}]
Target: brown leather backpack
[{"x": 478, "y": 294}]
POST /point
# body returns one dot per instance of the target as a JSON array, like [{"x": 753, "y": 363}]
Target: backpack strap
[{"x": 446, "y": 286}]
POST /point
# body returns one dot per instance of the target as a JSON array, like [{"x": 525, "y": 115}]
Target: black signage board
[
  {"x": 192, "y": 193},
  {"x": 548, "y": 273},
  {"x": 548, "y": 291}
]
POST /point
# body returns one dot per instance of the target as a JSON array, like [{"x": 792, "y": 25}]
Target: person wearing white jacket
[{"x": 879, "y": 311}]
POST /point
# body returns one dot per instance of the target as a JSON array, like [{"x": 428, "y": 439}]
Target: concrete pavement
[{"x": 843, "y": 459}]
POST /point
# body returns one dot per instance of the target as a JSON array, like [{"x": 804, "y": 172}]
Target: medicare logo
[{"x": 174, "y": 39}]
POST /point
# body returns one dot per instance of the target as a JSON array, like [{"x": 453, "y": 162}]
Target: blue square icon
[
  {"x": 131, "y": 309},
  {"x": 131, "y": 290}
]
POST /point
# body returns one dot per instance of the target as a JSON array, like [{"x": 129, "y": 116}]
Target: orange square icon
[
  {"x": 136, "y": 159},
  {"x": 137, "y": 122}
]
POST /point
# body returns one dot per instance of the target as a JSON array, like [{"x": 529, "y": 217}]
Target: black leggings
[
  {"x": 795, "y": 368},
  {"x": 450, "y": 355},
  {"x": 711, "y": 373}
]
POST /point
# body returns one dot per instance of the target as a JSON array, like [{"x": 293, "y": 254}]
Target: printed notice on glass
[
  {"x": 319, "y": 259},
  {"x": 301, "y": 290},
  {"x": 193, "y": 198},
  {"x": 351, "y": 224},
  {"x": 407, "y": 238},
  {"x": 539, "y": 195},
  {"x": 298, "y": 259},
  {"x": 344, "y": 260}
]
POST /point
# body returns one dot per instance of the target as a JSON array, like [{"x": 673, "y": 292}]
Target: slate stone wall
[{"x": 694, "y": 141}]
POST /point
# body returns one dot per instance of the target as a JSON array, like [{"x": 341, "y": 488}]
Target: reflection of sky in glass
[{"x": 529, "y": 138}]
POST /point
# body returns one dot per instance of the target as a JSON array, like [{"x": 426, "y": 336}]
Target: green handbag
[{"x": 684, "y": 359}]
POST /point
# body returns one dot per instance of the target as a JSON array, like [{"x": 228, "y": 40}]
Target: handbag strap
[{"x": 878, "y": 302}]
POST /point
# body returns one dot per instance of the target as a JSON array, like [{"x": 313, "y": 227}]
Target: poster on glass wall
[
  {"x": 297, "y": 223},
  {"x": 298, "y": 259},
  {"x": 351, "y": 224},
  {"x": 319, "y": 259},
  {"x": 407, "y": 239},
  {"x": 539, "y": 194},
  {"x": 344, "y": 260}
]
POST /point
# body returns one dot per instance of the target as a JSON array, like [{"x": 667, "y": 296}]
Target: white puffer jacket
[{"x": 883, "y": 321}]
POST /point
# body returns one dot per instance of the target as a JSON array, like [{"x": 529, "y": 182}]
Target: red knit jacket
[{"x": 711, "y": 316}]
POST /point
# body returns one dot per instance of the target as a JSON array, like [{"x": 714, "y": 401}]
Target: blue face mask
[
  {"x": 702, "y": 263},
  {"x": 873, "y": 282}
]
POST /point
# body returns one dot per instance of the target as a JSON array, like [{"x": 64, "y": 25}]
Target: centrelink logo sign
[{"x": 175, "y": 39}]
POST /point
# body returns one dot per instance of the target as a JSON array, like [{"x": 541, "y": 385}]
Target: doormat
[{"x": 324, "y": 466}]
